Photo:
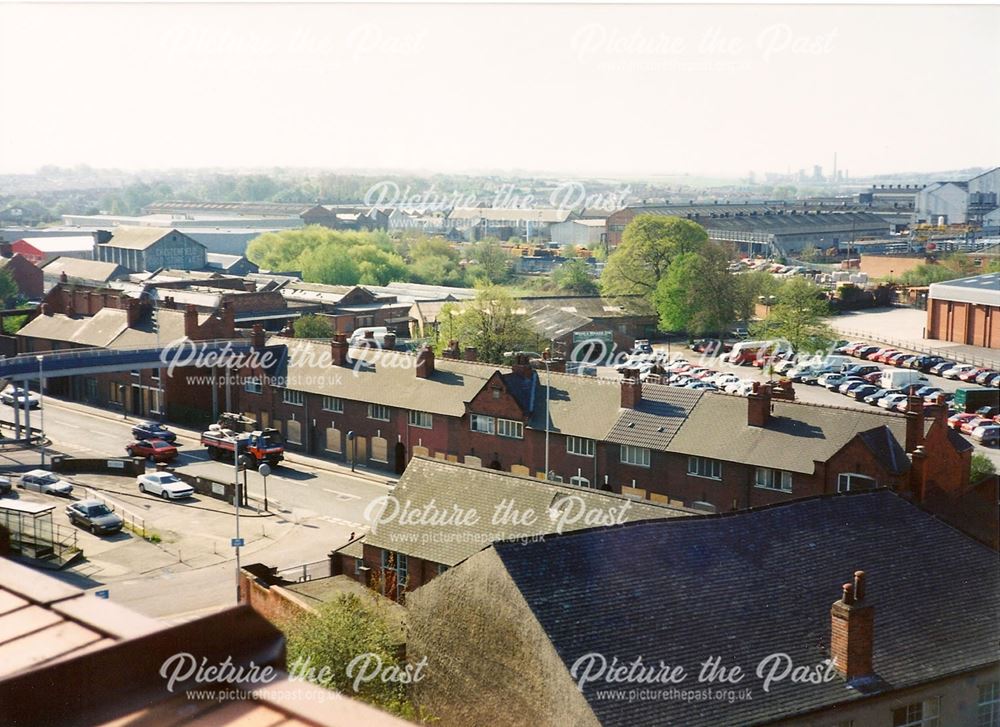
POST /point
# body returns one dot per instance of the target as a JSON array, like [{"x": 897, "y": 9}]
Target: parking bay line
[{"x": 342, "y": 495}]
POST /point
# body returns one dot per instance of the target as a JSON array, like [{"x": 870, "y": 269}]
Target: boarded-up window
[
  {"x": 333, "y": 442},
  {"x": 419, "y": 451},
  {"x": 473, "y": 461},
  {"x": 293, "y": 431},
  {"x": 633, "y": 492},
  {"x": 657, "y": 497},
  {"x": 519, "y": 469},
  {"x": 380, "y": 449}
]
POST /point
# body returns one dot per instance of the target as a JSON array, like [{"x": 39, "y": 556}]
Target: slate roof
[
  {"x": 796, "y": 435},
  {"x": 659, "y": 416},
  {"x": 747, "y": 585},
  {"x": 140, "y": 238},
  {"x": 95, "y": 270},
  {"x": 108, "y": 327},
  {"x": 451, "y": 487}
]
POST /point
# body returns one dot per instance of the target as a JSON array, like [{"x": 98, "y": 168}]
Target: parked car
[
  {"x": 5, "y": 486},
  {"x": 924, "y": 363},
  {"x": 991, "y": 379},
  {"x": 970, "y": 425},
  {"x": 955, "y": 421},
  {"x": 881, "y": 354},
  {"x": 873, "y": 398},
  {"x": 866, "y": 351},
  {"x": 941, "y": 366},
  {"x": 893, "y": 358},
  {"x": 740, "y": 332},
  {"x": 891, "y": 401},
  {"x": 984, "y": 375},
  {"x": 861, "y": 369},
  {"x": 860, "y": 392},
  {"x": 851, "y": 382},
  {"x": 155, "y": 449},
  {"x": 987, "y": 412},
  {"x": 94, "y": 515},
  {"x": 165, "y": 484},
  {"x": 831, "y": 381},
  {"x": 903, "y": 362},
  {"x": 45, "y": 482},
  {"x": 899, "y": 378},
  {"x": 988, "y": 434},
  {"x": 642, "y": 346},
  {"x": 957, "y": 370},
  {"x": 971, "y": 374},
  {"x": 874, "y": 377},
  {"x": 153, "y": 430},
  {"x": 15, "y": 395}
]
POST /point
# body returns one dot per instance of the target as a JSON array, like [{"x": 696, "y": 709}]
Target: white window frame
[
  {"x": 510, "y": 428},
  {"x": 926, "y": 713},
  {"x": 375, "y": 411},
  {"x": 334, "y": 404},
  {"x": 699, "y": 466},
  {"x": 988, "y": 705},
  {"x": 766, "y": 478},
  {"x": 581, "y": 446},
  {"x": 841, "y": 481},
  {"x": 636, "y": 456},
  {"x": 295, "y": 398},
  {"x": 253, "y": 385},
  {"x": 579, "y": 481},
  {"x": 421, "y": 419},
  {"x": 474, "y": 419}
]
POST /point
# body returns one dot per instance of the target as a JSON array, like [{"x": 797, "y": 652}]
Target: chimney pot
[
  {"x": 859, "y": 585},
  {"x": 852, "y": 631},
  {"x": 471, "y": 353},
  {"x": 425, "y": 363},
  {"x": 339, "y": 349}
]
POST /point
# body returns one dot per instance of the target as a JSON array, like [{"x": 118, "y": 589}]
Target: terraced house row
[{"x": 675, "y": 446}]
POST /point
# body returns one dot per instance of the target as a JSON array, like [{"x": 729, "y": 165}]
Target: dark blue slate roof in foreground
[{"x": 751, "y": 584}]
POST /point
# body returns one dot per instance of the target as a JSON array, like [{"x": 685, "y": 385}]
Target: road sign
[
  {"x": 237, "y": 542},
  {"x": 105, "y": 593}
]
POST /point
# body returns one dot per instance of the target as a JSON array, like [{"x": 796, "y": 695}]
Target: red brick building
[
  {"x": 965, "y": 311},
  {"x": 26, "y": 274}
]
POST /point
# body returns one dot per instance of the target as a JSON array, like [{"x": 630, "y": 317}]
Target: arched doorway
[{"x": 400, "y": 458}]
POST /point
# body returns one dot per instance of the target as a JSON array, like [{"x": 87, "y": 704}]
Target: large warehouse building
[{"x": 966, "y": 311}]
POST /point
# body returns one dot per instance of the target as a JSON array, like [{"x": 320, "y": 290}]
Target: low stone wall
[{"x": 127, "y": 466}]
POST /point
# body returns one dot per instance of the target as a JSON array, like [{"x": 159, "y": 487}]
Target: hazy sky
[{"x": 576, "y": 89}]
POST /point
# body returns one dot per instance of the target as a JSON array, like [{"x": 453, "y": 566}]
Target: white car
[
  {"x": 892, "y": 401},
  {"x": 45, "y": 482},
  {"x": 165, "y": 484},
  {"x": 15, "y": 395},
  {"x": 955, "y": 371},
  {"x": 724, "y": 378},
  {"x": 987, "y": 434}
]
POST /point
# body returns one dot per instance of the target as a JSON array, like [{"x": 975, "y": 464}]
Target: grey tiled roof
[
  {"x": 796, "y": 435},
  {"x": 747, "y": 585},
  {"x": 659, "y": 416},
  {"x": 446, "y": 486}
]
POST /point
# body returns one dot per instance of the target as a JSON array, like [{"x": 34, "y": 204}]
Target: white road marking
[{"x": 342, "y": 495}]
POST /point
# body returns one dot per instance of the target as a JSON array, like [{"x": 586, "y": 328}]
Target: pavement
[{"x": 186, "y": 566}]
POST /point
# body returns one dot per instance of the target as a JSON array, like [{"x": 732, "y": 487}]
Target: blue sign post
[
  {"x": 104, "y": 593},
  {"x": 237, "y": 542}
]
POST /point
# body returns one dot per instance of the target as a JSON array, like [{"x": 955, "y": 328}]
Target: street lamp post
[
  {"x": 264, "y": 470},
  {"x": 41, "y": 408},
  {"x": 352, "y": 438},
  {"x": 236, "y": 500}
]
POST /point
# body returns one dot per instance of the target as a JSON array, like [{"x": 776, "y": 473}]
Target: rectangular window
[
  {"x": 704, "y": 467},
  {"x": 295, "y": 398},
  {"x": 333, "y": 403},
  {"x": 768, "y": 479},
  {"x": 358, "y": 562},
  {"x": 253, "y": 386},
  {"x": 918, "y": 714},
  {"x": 378, "y": 412},
  {"x": 639, "y": 456},
  {"x": 510, "y": 428},
  {"x": 988, "y": 706},
  {"x": 481, "y": 423},
  {"x": 580, "y": 445},
  {"x": 849, "y": 482},
  {"x": 421, "y": 419},
  {"x": 135, "y": 373}
]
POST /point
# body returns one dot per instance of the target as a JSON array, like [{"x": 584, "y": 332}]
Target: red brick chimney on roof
[
  {"x": 522, "y": 366},
  {"x": 389, "y": 342},
  {"x": 631, "y": 388},
  {"x": 191, "y": 322},
  {"x": 759, "y": 405},
  {"x": 852, "y": 622},
  {"x": 452, "y": 351},
  {"x": 425, "y": 363},
  {"x": 132, "y": 312},
  {"x": 914, "y": 422},
  {"x": 257, "y": 337},
  {"x": 338, "y": 349},
  {"x": 471, "y": 353}
]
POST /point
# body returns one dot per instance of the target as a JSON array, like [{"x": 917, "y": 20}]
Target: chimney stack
[
  {"x": 389, "y": 342},
  {"x": 914, "y": 422},
  {"x": 425, "y": 363},
  {"x": 631, "y": 389},
  {"x": 852, "y": 622},
  {"x": 257, "y": 337},
  {"x": 63, "y": 277},
  {"x": 521, "y": 366},
  {"x": 759, "y": 405},
  {"x": 338, "y": 349},
  {"x": 46, "y": 309},
  {"x": 452, "y": 350},
  {"x": 471, "y": 354},
  {"x": 191, "y": 322},
  {"x": 132, "y": 311}
]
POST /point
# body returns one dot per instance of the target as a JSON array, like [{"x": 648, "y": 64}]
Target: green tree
[
  {"x": 313, "y": 327},
  {"x": 330, "y": 264},
  {"x": 493, "y": 263},
  {"x": 799, "y": 317},
  {"x": 490, "y": 323},
  {"x": 649, "y": 244},
  {"x": 748, "y": 288},
  {"x": 9, "y": 292},
  {"x": 377, "y": 266},
  {"x": 574, "y": 276},
  {"x": 696, "y": 295},
  {"x": 982, "y": 467},
  {"x": 323, "y": 644}
]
